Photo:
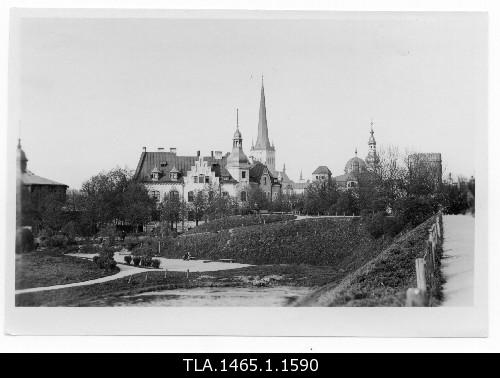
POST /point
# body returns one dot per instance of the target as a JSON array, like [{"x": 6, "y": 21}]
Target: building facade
[
  {"x": 166, "y": 174},
  {"x": 34, "y": 190}
]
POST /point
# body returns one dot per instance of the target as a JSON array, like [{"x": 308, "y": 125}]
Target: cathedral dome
[{"x": 355, "y": 165}]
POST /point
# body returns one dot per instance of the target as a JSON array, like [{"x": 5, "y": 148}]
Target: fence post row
[{"x": 425, "y": 266}]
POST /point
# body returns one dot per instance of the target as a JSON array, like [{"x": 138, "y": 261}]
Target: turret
[{"x": 372, "y": 158}]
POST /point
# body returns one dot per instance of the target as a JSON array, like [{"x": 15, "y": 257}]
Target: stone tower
[
  {"x": 237, "y": 162},
  {"x": 263, "y": 150}
]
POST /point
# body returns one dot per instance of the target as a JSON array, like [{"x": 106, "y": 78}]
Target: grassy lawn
[
  {"x": 52, "y": 267},
  {"x": 262, "y": 276}
]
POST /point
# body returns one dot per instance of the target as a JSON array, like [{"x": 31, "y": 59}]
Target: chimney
[
  {"x": 218, "y": 155},
  {"x": 143, "y": 149},
  {"x": 173, "y": 150},
  {"x": 212, "y": 154},
  {"x": 160, "y": 148},
  {"x": 198, "y": 153}
]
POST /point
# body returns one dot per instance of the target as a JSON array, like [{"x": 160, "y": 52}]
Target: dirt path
[
  {"x": 458, "y": 260},
  {"x": 125, "y": 271},
  {"x": 173, "y": 265}
]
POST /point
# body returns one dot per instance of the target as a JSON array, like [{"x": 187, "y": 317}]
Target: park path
[
  {"x": 457, "y": 264},
  {"x": 125, "y": 271},
  {"x": 172, "y": 265}
]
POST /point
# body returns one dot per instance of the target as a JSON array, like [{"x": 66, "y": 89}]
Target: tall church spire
[{"x": 262, "y": 134}]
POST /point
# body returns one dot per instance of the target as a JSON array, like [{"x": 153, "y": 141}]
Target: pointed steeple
[
  {"x": 372, "y": 138},
  {"x": 262, "y": 134},
  {"x": 300, "y": 178}
]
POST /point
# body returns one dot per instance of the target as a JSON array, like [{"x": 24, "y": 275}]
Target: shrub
[
  {"x": 136, "y": 260},
  {"x": 146, "y": 261},
  {"x": 24, "y": 240},
  {"x": 105, "y": 260},
  {"x": 69, "y": 229},
  {"x": 226, "y": 223},
  {"x": 128, "y": 259},
  {"x": 155, "y": 263},
  {"x": 375, "y": 224},
  {"x": 58, "y": 241},
  {"x": 109, "y": 233}
]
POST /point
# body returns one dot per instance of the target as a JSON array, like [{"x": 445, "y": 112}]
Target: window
[
  {"x": 243, "y": 196},
  {"x": 163, "y": 164},
  {"x": 225, "y": 194},
  {"x": 243, "y": 174},
  {"x": 195, "y": 179},
  {"x": 174, "y": 195},
  {"x": 265, "y": 180},
  {"x": 202, "y": 179},
  {"x": 207, "y": 180},
  {"x": 173, "y": 176},
  {"x": 156, "y": 195},
  {"x": 190, "y": 196}
]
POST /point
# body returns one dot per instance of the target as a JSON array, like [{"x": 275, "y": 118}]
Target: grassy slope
[
  {"x": 336, "y": 242},
  {"x": 52, "y": 267},
  {"x": 384, "y": 280},
  {"x": 97, "y": 295}
]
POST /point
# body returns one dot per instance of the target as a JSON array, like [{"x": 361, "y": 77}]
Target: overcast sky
[{"x": 95, "y": 91}]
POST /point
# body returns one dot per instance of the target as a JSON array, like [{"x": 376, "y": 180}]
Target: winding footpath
[
  {"x": 125, "y": 271},
  {"x": 457, "y": 264}
]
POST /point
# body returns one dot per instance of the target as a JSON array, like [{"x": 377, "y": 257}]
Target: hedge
[
  {"x": 239, "y": 221},
  {"x": 324, "y": 241}
]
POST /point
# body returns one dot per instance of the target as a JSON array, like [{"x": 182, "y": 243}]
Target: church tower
[
  {"x": 263, "y": 151},
  {"x": 237, "y": 162},
  {"x": 372, "y": 158}
]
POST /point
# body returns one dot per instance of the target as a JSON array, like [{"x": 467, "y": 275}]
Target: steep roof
[
  {"x": 257, "y": 170},
  {"x": 165, "y": 162},
  {"x": 322, "y": 170},
  {"x": 262, "y": 133},
  {"x": 29, "y": 178}
]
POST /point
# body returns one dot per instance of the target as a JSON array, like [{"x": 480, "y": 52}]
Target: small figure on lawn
[{"x": 187, "y": 256}]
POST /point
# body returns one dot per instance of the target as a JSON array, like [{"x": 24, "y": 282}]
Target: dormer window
[
  {"x": 163, "y": 164},
  {"x": 174, "y": 174},
  {"x": 155, "y": 174}
]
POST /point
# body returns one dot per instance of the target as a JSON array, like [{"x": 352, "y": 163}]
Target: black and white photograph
[{"x": 247, "y": 159}]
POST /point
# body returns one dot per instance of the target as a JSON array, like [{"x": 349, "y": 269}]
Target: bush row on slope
[{"x": 239, "y": 221}]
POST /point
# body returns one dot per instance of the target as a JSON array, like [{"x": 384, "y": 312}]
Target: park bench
[{"x": 226, "y": 260}]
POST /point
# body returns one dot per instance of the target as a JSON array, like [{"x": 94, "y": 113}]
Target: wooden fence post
[
  {"x": 420, "y": 268},
  {"x": 416, "y": 298}
]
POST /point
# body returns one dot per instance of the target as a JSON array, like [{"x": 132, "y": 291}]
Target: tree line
[{"x": 115, "y": 198}]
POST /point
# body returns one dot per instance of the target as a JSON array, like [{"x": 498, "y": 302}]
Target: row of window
[
  {"x": 174, "y": 195},
  {"x": 201, "y": 179}
]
